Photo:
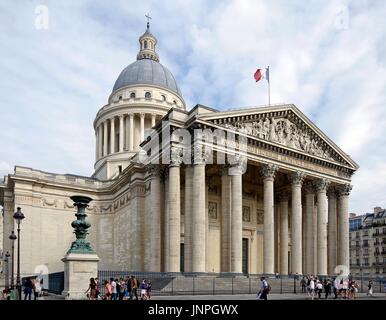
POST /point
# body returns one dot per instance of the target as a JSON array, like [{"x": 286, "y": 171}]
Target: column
[
  {"x": 188, "y": 218},
  {"x": 268, "y": 173},
  {"x": 225, "y": 221},
  {"x": 343, "y": 222},
  {"x": 105, "y": 144},
  {"x": 198, "y": 219},
  {"x": 96, "y": 143},
  {"x": 142, "y": 128},
  {"x": 321, "y": 189},
  {"x": 296, "y": 222},
  {"x": 236, "y": 219},
  {"x": 100, "y": 142},
  {"x": 153, "y": 120},
  {"x": 121, "y": 133},
  {"x": 153, "y": 219},
  {"x": 283, "y": 208},
  {"x": 309, "y": 228},
  {"x": 112, "y": 135},
  {"x": 332, "y": 231},
  {"x": 174, "y": 233},
  {"x": 131, "y": 137}
]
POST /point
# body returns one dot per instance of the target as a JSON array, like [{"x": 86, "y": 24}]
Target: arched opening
[
  {"x": 132, "y": 95},
  {"x": 147, "y": 95},
  {"x": 145, "y": 44},
  {"x": 163, "y": 97}
]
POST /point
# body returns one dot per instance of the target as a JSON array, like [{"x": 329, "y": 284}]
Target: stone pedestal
[{"x": 78, "y": 269}]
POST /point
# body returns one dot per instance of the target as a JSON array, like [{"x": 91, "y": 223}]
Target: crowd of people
[
  {"x": 340, "y": 287},
  {"x": 126, "y": 288}
]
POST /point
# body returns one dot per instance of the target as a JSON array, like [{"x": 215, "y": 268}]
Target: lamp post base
[{"x": 78, "y": 269}]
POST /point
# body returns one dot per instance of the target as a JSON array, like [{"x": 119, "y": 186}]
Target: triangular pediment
[{"x": 283, "y": 125}]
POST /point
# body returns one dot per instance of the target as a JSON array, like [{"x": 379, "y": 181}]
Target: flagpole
[{"x": 269, "y": 87}]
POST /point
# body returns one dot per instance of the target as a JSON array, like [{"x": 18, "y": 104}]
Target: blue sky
[{"x": 326, "y": 57}]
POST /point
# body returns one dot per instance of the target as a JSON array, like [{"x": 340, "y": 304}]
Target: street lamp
[
  {"x": 13, "y": 237},
  {"x": 6, "y": 266},
  {"x": 18, "y": 216}
]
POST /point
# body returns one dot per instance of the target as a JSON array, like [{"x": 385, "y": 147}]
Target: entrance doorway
[{"x": 245, "y": 258}]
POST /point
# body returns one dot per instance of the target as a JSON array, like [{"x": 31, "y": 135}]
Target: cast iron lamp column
[
  {"x": 13, "y": 237},
  {"x": 18, "y": 216},
  {"x": 6, "y": 266}
]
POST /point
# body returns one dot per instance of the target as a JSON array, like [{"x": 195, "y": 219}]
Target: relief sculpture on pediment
[{"x": 281, "y": 130}]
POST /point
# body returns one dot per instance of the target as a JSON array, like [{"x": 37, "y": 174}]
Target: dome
[{"x": 147, "y": 71}]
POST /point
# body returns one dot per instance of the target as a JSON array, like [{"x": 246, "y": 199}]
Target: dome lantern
[{"x": 147, "y": 43}]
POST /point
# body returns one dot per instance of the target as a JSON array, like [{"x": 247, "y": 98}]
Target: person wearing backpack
[{"x": 264, "y": 289}]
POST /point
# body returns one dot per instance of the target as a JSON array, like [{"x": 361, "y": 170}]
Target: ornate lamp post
[
  {"x": 13, "y": 237},
  {"x": 18, "y": 216},
  {"x": 6, "y": 267},
  {"x": 80, "y": 245}
]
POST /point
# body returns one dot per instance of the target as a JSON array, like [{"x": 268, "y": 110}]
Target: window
[
  {"x": 132, "y": 95},
  {"x": 163, "y": 97},
  {"x": 376, "y": 260},
  {"x": 365, "y": 243},
  {"x": 357, "y": 234},
  {"x": 120, "y": 169},
  {"x": 357, "y": 262},
  {"x": 384, "y": 231},
  {"x": 366, "y": 263},
  {"x": 120, "y": 98},
  {"x": 357, "y": 243},
  {"x": 147, "y": 95},
  {"x": 376, "y": 250},
  {"x": 376, "y": 270},
  {"x": 145, "y": 44},
  {"x": 366, "y": 251},
  {"x": 384, "y": 270}
]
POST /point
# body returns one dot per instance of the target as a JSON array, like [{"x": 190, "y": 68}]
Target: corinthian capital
[
  {"x": 321, "y": 185},
  {"x": 176, "y": 155},
  {"x": 296, "y": 178},
  {"x": 268, "y": 171},
  {"x": 344, "y": 189}
]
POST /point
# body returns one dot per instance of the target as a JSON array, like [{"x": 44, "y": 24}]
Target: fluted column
[
  {"x": 121, "y": 133},
  {"x": 188, "y": 218},
  {"x": 153, "y": 120},
  {"x": 343, "y": 221},
  {"x": 100, "y": 141},
  {"x": 332, "y": 231},
  {"x": 225, "y": 221},
  {"x": 268, "y": 173},
  {"x": 105, "y": 143},
  {"x": 283, "y": 205},
  {"x": 112, "y": 135},
  {"x": 321, "y": 190},
  {"x": 198, "y": 219},
  {"x": 173, "y": 259},
  {"x": 96, "y": 144},
  {"x": 153, "y": 221},
  {"x": 131, "y": 137},
  {"x": 309, "y": 227},
  {"x": 142, "y": 128},
  {"x": 236, "y": 219},
  {"x": 296, "y": 222}
]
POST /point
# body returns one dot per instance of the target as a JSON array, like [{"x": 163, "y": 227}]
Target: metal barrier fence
[
  {"x": 56, "y": 282},
  {"x": 216, "y": 284}
]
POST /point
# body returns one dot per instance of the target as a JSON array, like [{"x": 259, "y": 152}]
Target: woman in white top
[{"x": 37, "y": 288}]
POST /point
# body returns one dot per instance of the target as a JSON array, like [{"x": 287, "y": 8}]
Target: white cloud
[{"x": 326, "y": 57}]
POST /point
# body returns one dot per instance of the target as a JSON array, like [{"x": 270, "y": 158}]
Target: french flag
[{"x": 262, "y": 74}]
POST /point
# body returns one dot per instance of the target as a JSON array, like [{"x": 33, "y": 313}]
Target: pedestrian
[
  {"x": 37, "y": 288},
  {"x": 97, "y": 288},
  {"x": 303, "y": 283},
  {"x": 143, "y": 288},
  {"x": 134, "y": 287},
  {"x": 265, "y": 288},
  {"x": 370, "y": 288},
  {"x": 149, "y": 290},
  {"x": 92, "y": 288},
  {"x": 108, "y": 290},
  {"x": 113, "y": 289},
  {"x": 28, "y": 289}
]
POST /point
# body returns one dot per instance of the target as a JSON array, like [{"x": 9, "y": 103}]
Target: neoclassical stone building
[{"x": 258, "y": 190}]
